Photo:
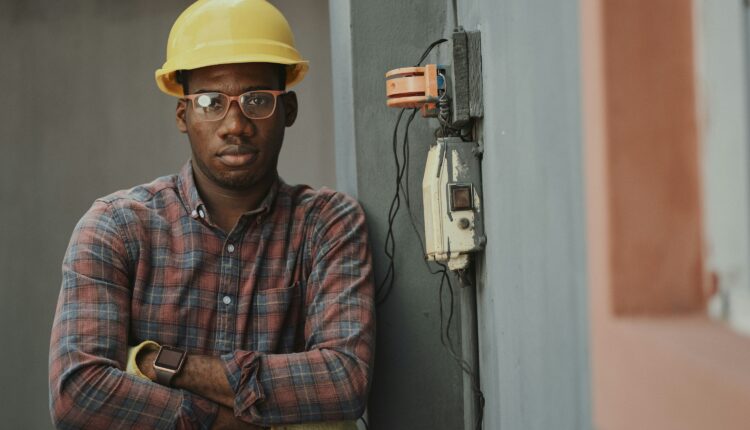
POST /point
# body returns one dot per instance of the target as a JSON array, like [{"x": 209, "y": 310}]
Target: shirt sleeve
[
  {"x": 89, "y": 387},
  {"x": 329, "y": 380}
]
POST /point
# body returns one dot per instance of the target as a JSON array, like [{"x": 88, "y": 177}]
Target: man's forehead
[{"x": 240, "y": 75}]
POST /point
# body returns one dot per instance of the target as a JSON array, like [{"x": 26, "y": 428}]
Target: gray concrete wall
[
  {"x": 416, "y": 384},
  {"x": 343, "y": 95},
  {"x": 532, "y": 303},
  {"x": 533, "y": 330},
  {"x": 81, "y": 117}
]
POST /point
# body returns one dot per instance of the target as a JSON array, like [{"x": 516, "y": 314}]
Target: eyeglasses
[{"x": 214, "y": 106}]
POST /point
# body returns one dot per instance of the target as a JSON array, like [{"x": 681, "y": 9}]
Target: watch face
[{"x": 169, "y": 358}]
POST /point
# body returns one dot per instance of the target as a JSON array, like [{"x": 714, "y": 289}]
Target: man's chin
[{"x": 237, "y": 182}]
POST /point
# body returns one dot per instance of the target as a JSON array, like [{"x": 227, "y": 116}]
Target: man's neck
[{"x": 226, "y": 206}]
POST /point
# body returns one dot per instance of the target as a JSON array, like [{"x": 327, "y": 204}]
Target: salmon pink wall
[{"x": 657, "y": 361}]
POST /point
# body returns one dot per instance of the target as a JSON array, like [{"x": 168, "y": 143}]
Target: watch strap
[
  {"x": 165, "y": 374},
  {"x": 164, "y": 377}
]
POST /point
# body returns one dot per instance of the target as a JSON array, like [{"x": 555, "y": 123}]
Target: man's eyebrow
[
  {"x": 244, "y": 90},
  {"x": 256, "y": 88}
]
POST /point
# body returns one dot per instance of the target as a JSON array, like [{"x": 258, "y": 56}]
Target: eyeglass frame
[{"x": 275, "y": 93}]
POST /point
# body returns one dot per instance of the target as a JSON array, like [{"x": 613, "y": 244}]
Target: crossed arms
[{"x": 326, "y": 381}]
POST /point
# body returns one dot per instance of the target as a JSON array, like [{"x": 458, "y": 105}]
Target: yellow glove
[{"x": 133, "y": 351}]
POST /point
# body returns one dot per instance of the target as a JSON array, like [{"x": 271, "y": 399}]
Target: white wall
[{"x": 722, "y": 64}]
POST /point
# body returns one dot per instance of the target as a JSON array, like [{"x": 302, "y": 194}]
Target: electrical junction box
[
  {"x": 466, "y": 76},
  {"x": 416, "y": 88},
  {"x": 452, "y": 193},
  {"x": 452, "y": 187},
  {"x": 423, "y": 87}
]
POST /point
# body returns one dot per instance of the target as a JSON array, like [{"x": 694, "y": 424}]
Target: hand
[
  {"x": 145, "y": 361},
  {"x": 225, "y": 420}
]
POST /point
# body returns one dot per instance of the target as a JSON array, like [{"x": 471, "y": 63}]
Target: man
[{"x": 220, "y": 297}]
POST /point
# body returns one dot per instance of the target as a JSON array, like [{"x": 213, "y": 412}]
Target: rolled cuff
[
  {"x": 241, "y": 368},
  {"x": 339, "y": 425},
  {"x": 197, "y": 411}
]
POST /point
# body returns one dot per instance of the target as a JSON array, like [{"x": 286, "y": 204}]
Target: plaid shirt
[{"x": 285, "y": 300}]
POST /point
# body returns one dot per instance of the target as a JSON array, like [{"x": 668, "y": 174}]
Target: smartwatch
[{"x": 168, "y": 363}]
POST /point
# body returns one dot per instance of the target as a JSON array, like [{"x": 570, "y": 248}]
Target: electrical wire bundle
[{"x": 402, "y": 192}]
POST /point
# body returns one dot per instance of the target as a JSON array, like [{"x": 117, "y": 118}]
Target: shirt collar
[
  {"x": 194, "y": 204},
  {"x": 187, "y": 189}
]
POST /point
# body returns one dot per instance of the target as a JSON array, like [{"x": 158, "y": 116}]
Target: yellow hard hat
[{"x": 212, "y": 32}]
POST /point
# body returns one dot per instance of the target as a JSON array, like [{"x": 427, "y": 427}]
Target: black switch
[{"x": 461, "y": 198}]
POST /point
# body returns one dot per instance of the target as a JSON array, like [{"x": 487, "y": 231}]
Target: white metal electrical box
[{"x": 453, "y": 202}]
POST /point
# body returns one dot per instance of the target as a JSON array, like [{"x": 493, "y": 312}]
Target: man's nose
[{"x": 235, "y": 122}]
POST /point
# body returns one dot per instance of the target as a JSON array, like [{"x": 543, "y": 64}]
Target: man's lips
[{"x": 237, "y": 155}]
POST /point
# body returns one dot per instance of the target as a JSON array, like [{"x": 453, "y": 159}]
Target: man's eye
[{"x": 256, "y": 101}]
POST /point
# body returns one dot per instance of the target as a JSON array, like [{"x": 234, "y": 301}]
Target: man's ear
[
  {"x": 181, "y": 112},
  {"x": 290, "y": 108}
]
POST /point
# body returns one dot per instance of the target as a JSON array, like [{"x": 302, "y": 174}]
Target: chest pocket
[
  {"x": 278, "y": 313},
  {"x": 276, "y": 317}
]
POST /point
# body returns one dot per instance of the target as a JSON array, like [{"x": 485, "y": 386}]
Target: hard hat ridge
[{"x": 212, "y": 32}]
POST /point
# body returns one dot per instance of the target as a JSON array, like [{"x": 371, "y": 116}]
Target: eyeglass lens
[{"x": 254, "y": 104}]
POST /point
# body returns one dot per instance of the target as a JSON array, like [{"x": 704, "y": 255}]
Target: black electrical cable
[
  {"x": 364, "y": 421},
  {"x": 405, "y": 157},
  {"x": 448, "y": 344},
  {"x": 445, "y": 337},
  {"x": 428, "y": 50},
  {"x": 390, "y": 244},
  {"x": 385, "y": 287}
]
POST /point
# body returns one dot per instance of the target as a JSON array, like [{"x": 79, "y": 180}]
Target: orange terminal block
[{"x": 413, "y": 88}]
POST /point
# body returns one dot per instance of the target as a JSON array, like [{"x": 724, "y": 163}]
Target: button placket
[{"x": 227, "y": 291}]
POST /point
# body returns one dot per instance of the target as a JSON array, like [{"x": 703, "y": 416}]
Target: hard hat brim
[{"x": 166, "y": 77}]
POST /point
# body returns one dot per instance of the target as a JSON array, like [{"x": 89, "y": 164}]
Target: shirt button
[
  {"x": 194, "y": 214},
  {"x": 227, "y": 300},
  {"x": 201, "y": 213},
  {"x": 230, "y": 248}
]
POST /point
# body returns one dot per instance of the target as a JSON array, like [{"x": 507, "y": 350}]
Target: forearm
[
  {"x": 88, "y": 386},
  {"x": 338, "y": 393},
  {"x": 100, "y": 396},
  {"x": 311, "y": 386},
  {"x": 88, "y": 347},
  {"x": 200, "y": 374},
  {"x": 204, "y": 376}
]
